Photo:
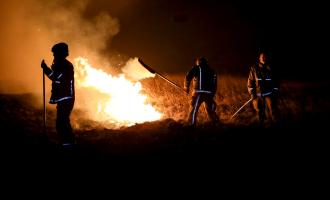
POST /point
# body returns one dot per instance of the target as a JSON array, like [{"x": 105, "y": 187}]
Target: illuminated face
[{"x": 262, "y": 58}]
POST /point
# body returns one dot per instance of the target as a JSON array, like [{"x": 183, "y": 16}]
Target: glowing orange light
[{"x": 119, "y": 100}]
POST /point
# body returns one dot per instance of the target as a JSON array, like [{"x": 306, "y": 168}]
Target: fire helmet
[
  {"x": 201, "y": 61},
  {"x": 61, "y": 49}
]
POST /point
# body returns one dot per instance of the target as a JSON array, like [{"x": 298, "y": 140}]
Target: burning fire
[{"x": 116, "y": 99}]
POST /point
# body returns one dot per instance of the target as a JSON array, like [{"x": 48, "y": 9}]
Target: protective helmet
[
  {"x": 201, "y": 61},
  {"x": 61, "y": 49}
]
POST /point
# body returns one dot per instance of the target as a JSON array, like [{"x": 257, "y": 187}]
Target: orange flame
[{"x": 118, "y": 100}]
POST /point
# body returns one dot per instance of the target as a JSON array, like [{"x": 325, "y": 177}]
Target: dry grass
[
  {"x": 231, "y": 95},
  {"x": 303, "y": 107},
  {"x": 296, "y": 101}
]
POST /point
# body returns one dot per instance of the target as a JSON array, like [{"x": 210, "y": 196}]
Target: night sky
[{"x": 168, "y": 34}]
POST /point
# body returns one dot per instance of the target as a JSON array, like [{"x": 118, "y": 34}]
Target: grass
[
  {"x": 231, "y": 95},
  {"x": 304, "y": 111}
]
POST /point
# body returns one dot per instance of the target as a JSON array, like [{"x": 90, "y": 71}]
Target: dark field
[{"x": 298, "y": 142}]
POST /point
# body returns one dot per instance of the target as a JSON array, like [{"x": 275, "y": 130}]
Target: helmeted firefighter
[
  {"x": 63, "y": 92},
  {"x": 205, "y": 87},
  {"x": 263, "y": 87}
]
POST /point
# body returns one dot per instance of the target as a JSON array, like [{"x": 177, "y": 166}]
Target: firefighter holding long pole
[
  {"x": 263, "y": 87},
  {"x": 61, "y": 73},
  {"x": 205, "y": 87}
]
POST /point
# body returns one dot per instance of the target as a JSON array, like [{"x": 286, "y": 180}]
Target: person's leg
[
  {"x": 194, "y": 106},
  {"x": 258, "y": 105},
  {"x": 63, "y": 124},
  {"x": 272, "y": 107},
  {"x": 211, "y": 108}
]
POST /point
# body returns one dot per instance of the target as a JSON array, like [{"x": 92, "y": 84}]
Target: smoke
[
  {"x": 31, "y": 27},
  {"x": 135, "y": 71}
]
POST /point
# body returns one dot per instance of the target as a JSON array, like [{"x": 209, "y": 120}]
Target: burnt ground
[{"x": 296, "y": 150}]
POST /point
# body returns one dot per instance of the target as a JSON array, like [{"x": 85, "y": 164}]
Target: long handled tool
[
  {"x": 154, "y": 72},
  {"x": 240, "y": 109},
  {"x": 44, "y": 100}
]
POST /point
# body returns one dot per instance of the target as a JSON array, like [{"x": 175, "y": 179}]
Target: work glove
[{"x": 43, "y": 65}]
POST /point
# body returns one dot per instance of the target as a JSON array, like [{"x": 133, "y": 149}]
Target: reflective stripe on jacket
[
  {"x": 261, "y": 81},
  {"x": 205, "y": 79},
  {"x": 62, "y": 76}
]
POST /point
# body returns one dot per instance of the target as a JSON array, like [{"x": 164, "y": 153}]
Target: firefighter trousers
[
  {"x": 63, "y": 125},
  {"x": 260, "y": 104},
  {"x": 196, "y": 101}
]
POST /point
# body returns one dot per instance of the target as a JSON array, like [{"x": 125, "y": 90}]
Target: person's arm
[
  {"x": 251, "y": 84},
  {"x": 55, "y": 76},
  {"x": 189, "y": 77},
  {"x": 49, "y": 72}
]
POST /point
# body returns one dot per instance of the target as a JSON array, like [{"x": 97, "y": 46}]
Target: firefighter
[
  {"x": 205, "y": 86},
  {"x": 263, "y": 87},
  {"x": 63, "y": 92}
]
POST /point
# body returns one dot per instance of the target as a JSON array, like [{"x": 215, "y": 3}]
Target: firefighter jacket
[
  {"x": 261, "y": 81},
  {"x": 62, "y": 76},
  {"x": 205, "y": 79}
]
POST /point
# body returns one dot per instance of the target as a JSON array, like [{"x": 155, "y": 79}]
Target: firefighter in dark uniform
[
  {"x": 263, "y": 87},
  {"x": 63, "y": 94},
  {"x": 205, "y": 86}
]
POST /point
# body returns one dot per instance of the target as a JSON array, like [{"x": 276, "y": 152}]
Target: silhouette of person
[
  {"x": 263, "y": 87},
  {"x": 63, "y": 92},
  {"x": 205, "y": 87}
]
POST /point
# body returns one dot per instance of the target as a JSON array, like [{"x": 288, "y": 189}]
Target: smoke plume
[
  {"x": 31, "y": 27},
  {"x": 135, "y": 71}
]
